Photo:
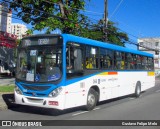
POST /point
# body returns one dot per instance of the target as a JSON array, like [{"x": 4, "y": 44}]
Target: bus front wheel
[
  {"x": 138, "y": 90},
  {"x": 92, "y": 99}
]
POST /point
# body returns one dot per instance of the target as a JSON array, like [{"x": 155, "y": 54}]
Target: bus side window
[
  {"x": 91, "y": 57},
  {"x": 102, "y": 58},
  {"x": 134, "y": 61},
  {"x": 129, "y": 61},
  {"x": 89, "y": 63},
  {"x": 108, "y": 61},
  {"x": 74, "y": 60},
  {"x": 144, "y": 63},
  {"x": 123, "y": 61},
  {"x": 106, "y": 58},
  {"x": 78, "y": 59},
  {"x": 138, "y": 62},
  {"x": 70, "y": 57},
  {"x": 118, "y": 59},
  {"x": 150, "y": 63}
]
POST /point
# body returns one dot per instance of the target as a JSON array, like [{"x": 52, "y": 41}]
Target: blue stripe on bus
[
  {"x": 81, "y": 40},
  {"x": 45, "y": 92},
  {"x": 68, "y": 82},
  {"x": 80, "y": 78}
]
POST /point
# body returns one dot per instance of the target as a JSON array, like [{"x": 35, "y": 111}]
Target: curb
[
  {"x": 3, "y": 105},
  {"x": 7, "y": 101}
]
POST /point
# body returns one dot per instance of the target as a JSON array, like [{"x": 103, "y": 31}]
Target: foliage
[
  {"x": 49, "y": 15},
  {"x": 94, "y": 32},
  {"x": 18, "y": 41},
  {"x": 65, "y": 15},
  {"x": 6, "y": 88},
  {"x": 114, "y": 36}
]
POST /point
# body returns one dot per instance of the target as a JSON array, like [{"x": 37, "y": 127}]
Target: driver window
[
  {"x": 70, "y": 57},
  {"x": 74, "y": 57}
]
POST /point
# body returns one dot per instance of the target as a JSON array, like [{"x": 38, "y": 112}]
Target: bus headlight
[
  {"x": 18, "y": 91},
  {"x": 55, "y": 92}
]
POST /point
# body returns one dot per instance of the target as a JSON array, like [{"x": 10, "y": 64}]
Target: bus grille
[{"x": 36, "y": 88}]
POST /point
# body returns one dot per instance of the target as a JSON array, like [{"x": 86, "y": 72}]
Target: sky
[{"x": 138, "y": 18}]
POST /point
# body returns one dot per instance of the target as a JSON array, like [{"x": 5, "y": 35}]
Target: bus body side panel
[
  {"x": 111, "y": 85},
  {"x": 74, "y": 93},
  {"x": 128, "y": 81}
]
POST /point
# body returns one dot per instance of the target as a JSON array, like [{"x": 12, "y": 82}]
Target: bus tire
[
  {"x": 137, "y": 90},
  {"x": 92, "y": 99}
]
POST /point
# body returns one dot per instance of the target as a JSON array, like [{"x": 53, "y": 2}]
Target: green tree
[
  {"x": 65, "y": 15},
  {"x": 95, "y": 31},
  {"x": 51, "y": 14},
  {"x": 114, "y": 35}
]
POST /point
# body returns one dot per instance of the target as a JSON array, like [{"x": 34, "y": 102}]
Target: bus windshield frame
[{"x": 39, "y": 64}]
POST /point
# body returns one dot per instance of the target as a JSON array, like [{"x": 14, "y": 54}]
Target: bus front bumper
[{"x": 45, "y": 102}]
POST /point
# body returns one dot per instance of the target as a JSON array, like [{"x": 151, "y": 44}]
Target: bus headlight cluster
[
  {"x": 55, "y": 92},
  {"x": 18, "y": 91}
]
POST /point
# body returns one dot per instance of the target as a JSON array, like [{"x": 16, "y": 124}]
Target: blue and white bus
[{"x": 65, "y": 71}]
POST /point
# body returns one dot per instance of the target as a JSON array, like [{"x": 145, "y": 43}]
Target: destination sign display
[{"x": 38, "y": 41}]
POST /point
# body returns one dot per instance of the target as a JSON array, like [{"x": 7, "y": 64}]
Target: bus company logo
[{"x": 34, "y": 94}]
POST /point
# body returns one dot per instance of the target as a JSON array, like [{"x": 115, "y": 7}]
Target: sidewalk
[
  {"x": 7, "y": 81},
  {"x": 6, "y": 99}
]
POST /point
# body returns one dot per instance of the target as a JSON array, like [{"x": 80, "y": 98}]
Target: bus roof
[{"x": 82, "y": 40}]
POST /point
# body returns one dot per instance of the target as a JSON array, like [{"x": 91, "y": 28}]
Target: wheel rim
[
  {"x": 138, "y": 90},
  {"x": 91, "y": 99}
]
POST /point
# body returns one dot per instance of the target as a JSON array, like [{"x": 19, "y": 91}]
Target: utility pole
[{"x": 105, "y": 19}]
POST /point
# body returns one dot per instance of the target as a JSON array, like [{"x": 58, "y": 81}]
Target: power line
[
  {"x": 125, "y": 24},
  {"x": 52, "y": 15},
  {"x": 116, "y": 8},
  {"x": 93, "y": 12},
  {"x": 69, "y": 20}
]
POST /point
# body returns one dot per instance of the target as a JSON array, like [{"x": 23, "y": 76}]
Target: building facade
[
  {"x": 7, "y": 40},
  {"x": 19, "y": 30},
  {"x": 9, "y": 21},
  {"x": 151, "y": 45},
  {"x": 5, "y": 17}
]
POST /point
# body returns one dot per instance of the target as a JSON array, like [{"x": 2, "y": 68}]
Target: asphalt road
[{"x": 126, "y": 108}]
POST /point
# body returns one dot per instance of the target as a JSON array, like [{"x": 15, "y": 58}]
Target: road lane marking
[
  {"x": 96, "y": 108},
  {"x": 79, "y": 113},
  {"x": 84, "y": 112},
  {"x": 131, "y": 98}
]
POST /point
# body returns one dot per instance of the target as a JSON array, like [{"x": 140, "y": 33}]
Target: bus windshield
[{"x": 39, "y": 64}]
